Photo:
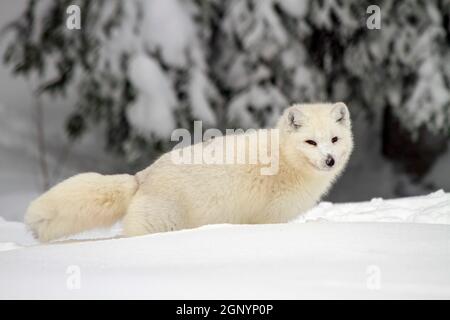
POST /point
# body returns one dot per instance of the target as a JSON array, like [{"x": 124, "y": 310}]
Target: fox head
[{"x": 318, "y": 136}]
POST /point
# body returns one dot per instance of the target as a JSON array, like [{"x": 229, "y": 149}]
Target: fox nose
[{"x": 330, "y": 161}]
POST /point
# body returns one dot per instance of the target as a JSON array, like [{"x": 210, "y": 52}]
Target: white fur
[{"x": 166, "y": 196}]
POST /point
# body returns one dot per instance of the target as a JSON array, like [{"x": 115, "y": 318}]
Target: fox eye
[
  {"x": 335, "y": 139},
  {"x": 311, "y": 142}
]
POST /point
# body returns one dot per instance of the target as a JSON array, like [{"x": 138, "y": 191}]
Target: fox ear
[
  {"x": 340, "y": 113},
  {"x": 294, "y": 118}
]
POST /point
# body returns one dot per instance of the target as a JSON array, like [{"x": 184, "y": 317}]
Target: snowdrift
[{"x": 379, "y": 249}]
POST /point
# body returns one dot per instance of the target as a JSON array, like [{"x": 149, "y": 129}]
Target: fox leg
[{"x": 152, "y": 214}]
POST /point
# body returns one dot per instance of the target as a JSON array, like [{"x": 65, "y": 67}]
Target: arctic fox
[{"x": 315, "y": 142}]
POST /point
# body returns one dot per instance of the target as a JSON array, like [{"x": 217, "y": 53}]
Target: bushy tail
[{"x": 82, "y": 202}]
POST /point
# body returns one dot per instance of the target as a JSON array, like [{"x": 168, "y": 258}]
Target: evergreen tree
[{"x": 142, "y": 68}]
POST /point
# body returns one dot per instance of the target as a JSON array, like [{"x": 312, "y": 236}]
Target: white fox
[{"x": 315, "y": 143}]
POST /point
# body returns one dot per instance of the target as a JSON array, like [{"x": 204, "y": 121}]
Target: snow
[
  {"x": 170, "y": 34},
  {"x": 434, "y": 208},
  {"x": 168, "y": 27},
  {"x": 428, "y": 98},
  {"x": 153, "y": 109},
  {"x": 259, "y": 98},
  {"x": 200, "y": 92},
  {"x": 260, "y": 31},
  {"x": 333, "y": 251},
  {"x": 294, "y": 7},
  {"x": 323, "y": 12}
]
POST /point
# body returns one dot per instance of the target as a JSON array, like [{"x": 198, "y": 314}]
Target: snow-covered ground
[{"x": 379, "y": 249}]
